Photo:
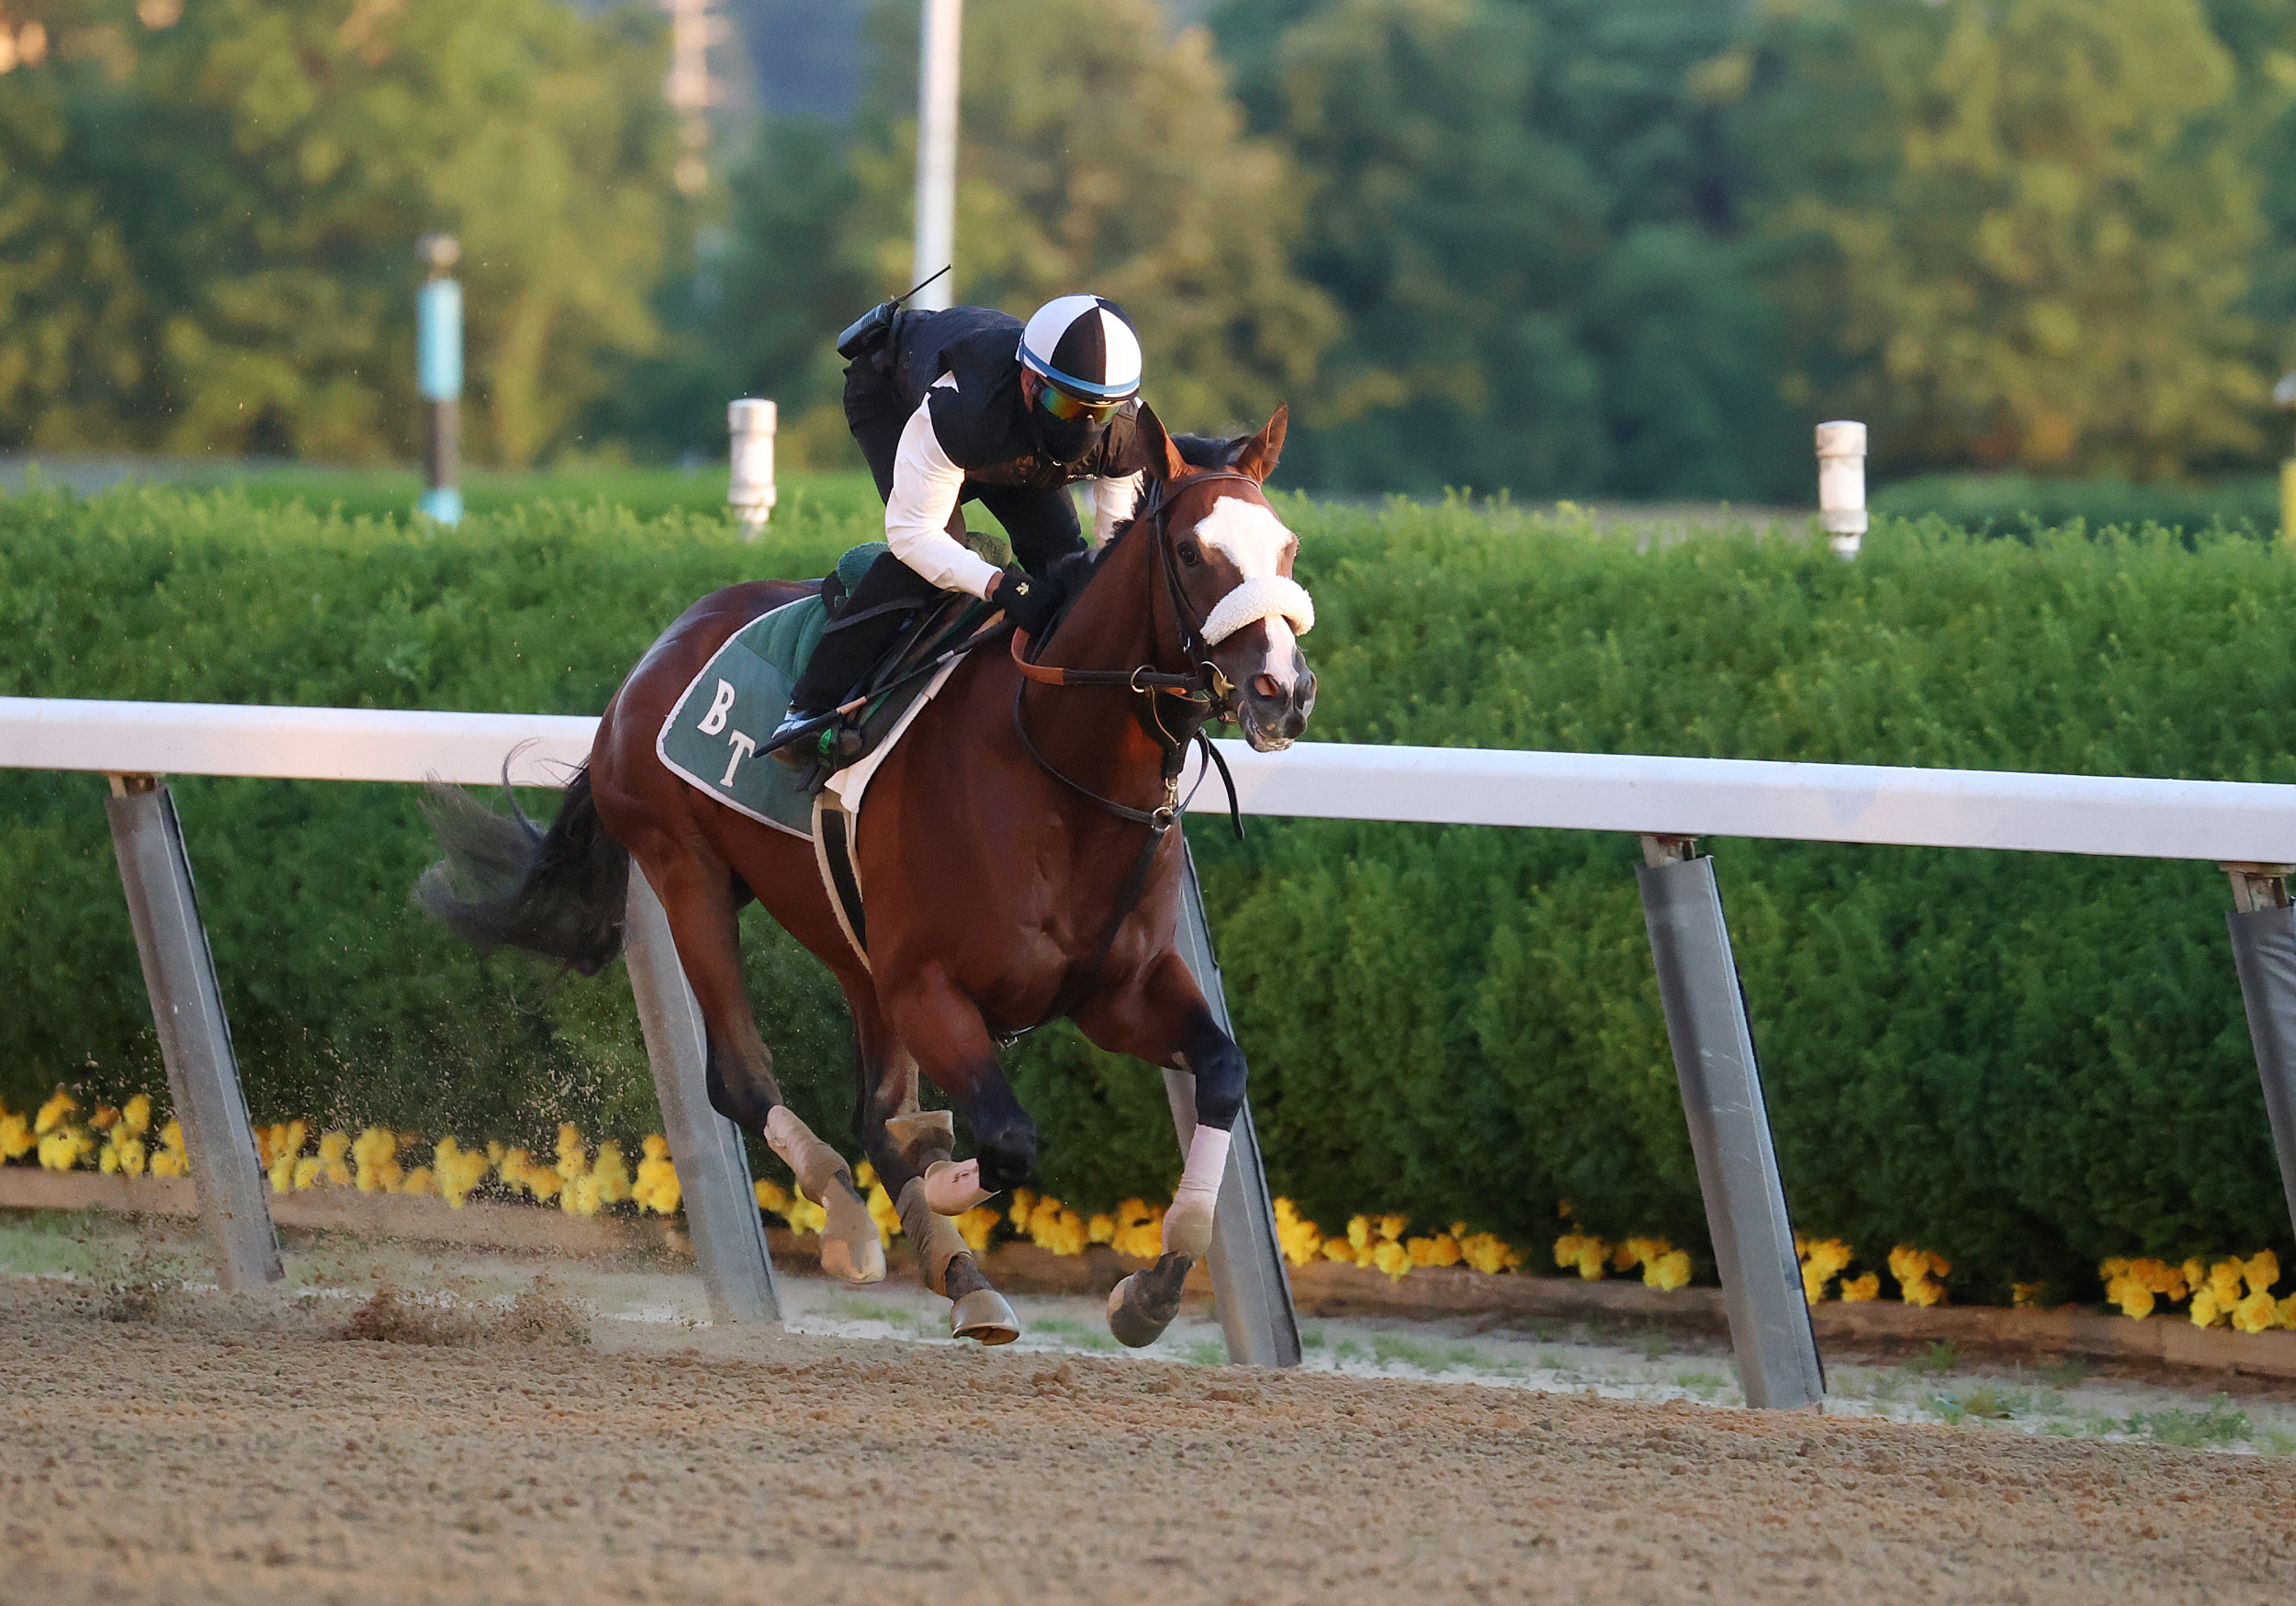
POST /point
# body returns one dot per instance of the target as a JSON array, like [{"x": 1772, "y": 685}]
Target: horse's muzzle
[{"x": 1273, "y": 716}]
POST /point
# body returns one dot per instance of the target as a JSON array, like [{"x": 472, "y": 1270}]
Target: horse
[{"x": 1016, "y": 852}]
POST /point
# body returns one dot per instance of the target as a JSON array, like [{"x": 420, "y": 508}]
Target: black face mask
[{"x": 1069, "y": 442}]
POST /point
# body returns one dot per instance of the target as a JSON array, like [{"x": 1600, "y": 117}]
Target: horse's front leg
[
  {"x": 1163, "y": 1019},
  {"x": 941, "y": 1030}
]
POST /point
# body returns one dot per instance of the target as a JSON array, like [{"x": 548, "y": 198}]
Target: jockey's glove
[{"x": 1028, "y": 600}]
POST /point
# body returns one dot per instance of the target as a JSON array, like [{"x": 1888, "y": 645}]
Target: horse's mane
[
  {"x": 1074, "y": 573},
  {"x": 1197, "y": 451}
]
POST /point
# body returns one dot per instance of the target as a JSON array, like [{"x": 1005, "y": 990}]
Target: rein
[{"x": 1204, "y": 686}]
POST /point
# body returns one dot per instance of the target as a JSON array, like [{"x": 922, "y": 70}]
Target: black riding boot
[{"x": 866, "y": 625}]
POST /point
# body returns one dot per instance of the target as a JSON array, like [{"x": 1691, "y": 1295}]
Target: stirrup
[{"x": 799, "y": 755}]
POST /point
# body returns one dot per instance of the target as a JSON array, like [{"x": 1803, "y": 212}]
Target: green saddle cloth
[{"x": 711, "y": 737}]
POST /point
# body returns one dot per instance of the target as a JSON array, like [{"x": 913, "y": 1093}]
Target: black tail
[{"x": 556, "y": 892}]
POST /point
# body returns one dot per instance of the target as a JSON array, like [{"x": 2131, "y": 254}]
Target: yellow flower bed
[
  {"x": 583, "y": 1180},
  {"x": 2230, "y": 1293}
]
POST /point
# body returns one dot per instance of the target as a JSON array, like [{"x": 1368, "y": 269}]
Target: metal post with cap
[
  {"x": 750, "y": 486},
  {"x": 940, "y": 34},
  {"x": 438, "y": 375},
  {"x": 1842, "y": 485}
]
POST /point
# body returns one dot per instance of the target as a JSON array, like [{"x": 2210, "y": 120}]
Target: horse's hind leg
[
  {"x": 697, "y": 893},
  {"x": 901, "y": 1143}
]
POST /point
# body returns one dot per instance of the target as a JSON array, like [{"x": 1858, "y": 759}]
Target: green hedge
[
  {"x": 2004, "y": 504},
  {"x": 345, "y": 1003},
  {"x": 2025, "y": 1061}
]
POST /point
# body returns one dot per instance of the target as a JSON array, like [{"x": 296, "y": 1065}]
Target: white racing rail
[
  {"x": 2250, "y": 829},
  {"x": 2218, "y": 821}
]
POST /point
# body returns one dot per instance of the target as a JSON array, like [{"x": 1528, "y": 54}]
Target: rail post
[
  {"x": 438, "y": 375},
  {"x": 1842, "y": 485},
  {"x": 750, "y": 489},
  {"x": 195, "y": 1034},
  {"x": 1730, "y": 1128},
  {"x": 2264, "y": 951},
  {"x": 1248, "y": 1280},
  {"x": 713, "y": 1178}
]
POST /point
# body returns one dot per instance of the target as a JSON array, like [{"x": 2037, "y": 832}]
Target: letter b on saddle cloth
[{"x": 712, "y": 739}]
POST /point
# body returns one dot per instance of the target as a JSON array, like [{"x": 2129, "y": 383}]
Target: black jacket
[{"x": 983, "y": 423}]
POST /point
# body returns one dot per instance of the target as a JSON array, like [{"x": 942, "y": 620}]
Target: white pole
[
  {"x": 1842, "y": 484},
  {"x": 750, "y": 489},
  {"x": 936, "y": 151}
]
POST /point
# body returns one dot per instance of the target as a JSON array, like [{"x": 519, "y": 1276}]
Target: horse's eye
[{"x": 1189, "y": 555}]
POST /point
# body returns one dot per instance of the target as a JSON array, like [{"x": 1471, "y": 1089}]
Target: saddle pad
[{"x": 710, "y": 739}]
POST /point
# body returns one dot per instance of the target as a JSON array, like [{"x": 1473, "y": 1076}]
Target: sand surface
[{"x": 209, "y": 1449}]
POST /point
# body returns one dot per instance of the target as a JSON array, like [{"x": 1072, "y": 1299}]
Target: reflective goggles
[{"x": 1068, "y": 408}]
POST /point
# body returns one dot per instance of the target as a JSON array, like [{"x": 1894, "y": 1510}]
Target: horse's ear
[
  {"x": 1165, "y": 461},
  {"x": 1260, "y": 453}
]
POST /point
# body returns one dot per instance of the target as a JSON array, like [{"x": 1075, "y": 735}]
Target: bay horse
[{"x": 1014, "y": 854}]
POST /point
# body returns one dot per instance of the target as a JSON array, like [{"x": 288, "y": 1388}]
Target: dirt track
[{"x": 212, "y": 1453}]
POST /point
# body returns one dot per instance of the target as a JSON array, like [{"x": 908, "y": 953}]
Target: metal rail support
[
  {"x": 713, "y": 1177},
  {"x": 2264, "y": 950},
  {"x": 1248, "y": 1279},
  {"x": 194, "y": 1035},
  {"x": 1730, "y": 1128}
]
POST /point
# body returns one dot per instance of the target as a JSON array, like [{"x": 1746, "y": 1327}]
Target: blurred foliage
[
  {"x": 1531, "y": 214},
  {"x": 2015, "y": 1059},
  {"x": 207, "y": 241},
  {"x": 347, "y": 1003},
  {"x": 2007, "y": 503},
  {"x": 391, "y": 494},
  {"x": 2026, "y": 234},
  {"x": 1585, "y": 247},
  {"x": 1100, "y": 150},
  {"x": 2024, "y": 1061}
]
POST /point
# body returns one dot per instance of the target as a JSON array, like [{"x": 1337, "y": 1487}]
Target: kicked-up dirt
[{"x": 183, "y": 1448}]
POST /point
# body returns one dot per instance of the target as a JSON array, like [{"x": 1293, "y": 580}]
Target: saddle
[{"x": 712, "y": 739}]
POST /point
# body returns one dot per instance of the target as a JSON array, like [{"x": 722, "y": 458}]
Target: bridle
[{"x": 1204, "y": 687}]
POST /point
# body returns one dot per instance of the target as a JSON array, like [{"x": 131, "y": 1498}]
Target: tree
[
  {"x": 1527, "y": 210},
  {"x": 802, "y": 265},
  {"x": 206, "y": 243},
  {"x": 1102, "y": 152},
  {"x": 2025, "y": 234}
]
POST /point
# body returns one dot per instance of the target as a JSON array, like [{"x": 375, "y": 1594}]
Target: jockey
[{"x": 963, "y": 405}]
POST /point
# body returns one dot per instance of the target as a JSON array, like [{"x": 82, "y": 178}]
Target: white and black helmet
[{"x": 1084, "y": 346}]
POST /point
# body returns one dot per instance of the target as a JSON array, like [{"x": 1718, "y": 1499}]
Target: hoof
[
  {"x": 851, "y": 1250},
  {"x": 983, "y": 1315},
  {"x": 952, "y": 1188},
  {"x": 1143, "y": 1305}
]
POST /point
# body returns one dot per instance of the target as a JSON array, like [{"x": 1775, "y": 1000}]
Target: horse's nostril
[{"x": 1267, "y": 686}]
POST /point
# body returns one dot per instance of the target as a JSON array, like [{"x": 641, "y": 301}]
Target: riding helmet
[{"x": 1084, "y": 346}]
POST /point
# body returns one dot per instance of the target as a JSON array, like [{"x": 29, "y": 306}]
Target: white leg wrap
[
  {"x": 810, "y": 1161},
  {"x": 1188, "y": 1224},
  {"x": 953, "y": 1187},
  {"x": 923, "y": 1136},
  {"x": 932, "y": 1235}
]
